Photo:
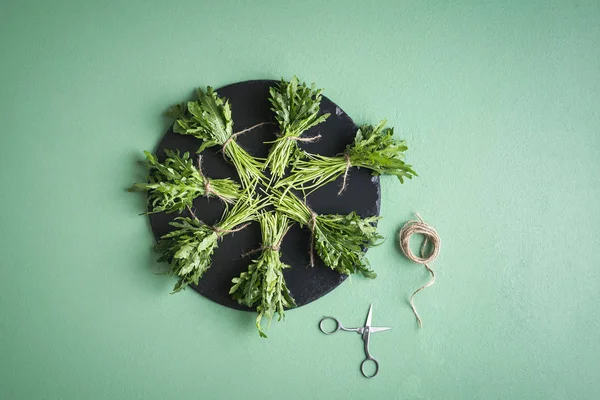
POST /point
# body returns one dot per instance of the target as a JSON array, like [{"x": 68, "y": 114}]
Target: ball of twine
[{"x": 430, "y": 236}]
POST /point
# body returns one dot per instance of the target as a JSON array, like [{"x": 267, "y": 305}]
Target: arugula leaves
[
  {"x": 374, "y": 148},
  {"x": 296, "y": 108},
  {"x": 263, "y": 285},
  {"x": 188, "y": 250},
  {"x": 173, "y": 185},
  {"x": 209, "y": 119}
]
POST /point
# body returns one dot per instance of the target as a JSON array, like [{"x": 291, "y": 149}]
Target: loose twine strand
[
  {"x": 208, "y": 189},
  {"x": 192, "y": 213},
  {"x": 293, "y": 138},
  {"x": 431, "y": 235},
  {"x": 236, "y": 134},
  {"x": 220, "y": 231},
  {"x": 348, "y": 166}
]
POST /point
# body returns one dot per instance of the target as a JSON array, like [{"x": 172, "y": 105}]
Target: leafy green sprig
[
  {"x": 209, "y": 119},
  {"x": 173, "y": 185},
  {"x": 374, "y": 148},
  {"x": 339, "y": 240},
  {"x": 296, "y": 108},
  {"x": 189, "y": 248},
  {"x": 263, "y": 285}
]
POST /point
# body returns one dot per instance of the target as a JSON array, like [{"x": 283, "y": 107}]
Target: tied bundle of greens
[
  {"x": 340, "y": 240},
  {"x": 173, "y": 185},
  {"x": 374, "y": 147},
  {"x": 189, "y": 248},
  {"x": 209, "y": 119},
  {"x": 296, "y": 108},
  {"x": 263, "y": 285}
]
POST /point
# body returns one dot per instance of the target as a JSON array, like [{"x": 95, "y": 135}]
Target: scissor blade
[
  {"x": 375, "y": 329},
  {"x": 369, "y": 315}
]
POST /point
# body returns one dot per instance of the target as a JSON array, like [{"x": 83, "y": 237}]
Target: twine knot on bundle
[
  {"x": 430, "y": 237},
  {"x": 236, "y": 134},
  {"x": 220, "y": 231},
  {"x": 274, "y": 247},
  {"x": 216, "y": 229},
  {"x": 208, "y": 189}
]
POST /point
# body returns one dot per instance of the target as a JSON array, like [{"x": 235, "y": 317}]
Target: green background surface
[{"x": 499, "y": 103}]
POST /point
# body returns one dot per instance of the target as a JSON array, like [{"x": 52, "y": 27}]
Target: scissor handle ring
[
  {"x": 362, "y": 367},
  {"x": 337, "y": 325}
]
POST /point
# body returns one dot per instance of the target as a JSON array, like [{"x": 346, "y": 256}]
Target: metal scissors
[{"x": 365, "y": 331}]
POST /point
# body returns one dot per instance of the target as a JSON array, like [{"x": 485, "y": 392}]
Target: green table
[{"x": 498, "y": 102}]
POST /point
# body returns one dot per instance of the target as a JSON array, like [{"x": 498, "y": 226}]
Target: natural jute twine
[
  {"x": 274, "y": 247},
  {"x": 348, "y": 166},
  {"x": 220, "y": 232},
  {"x": 236, "y": 134},
  {"x": 208, "y": 189},
  {"x": 430, "y": 235}
]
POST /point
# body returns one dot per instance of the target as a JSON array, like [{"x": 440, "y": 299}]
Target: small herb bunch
[
  {"x": 296, "y": 108},
  {"x": 340, "y": 240},
  {"x": 263, "y": 285},
  {"x": 209, "y": 119},
  {"x": 173, "y": 185},
  {"x": 374, "y": 147},
  {"x": 189, "y": 248}
]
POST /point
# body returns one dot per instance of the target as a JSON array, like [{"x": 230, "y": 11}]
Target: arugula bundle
[
  {"x": 296, "y": 108},
  {"x": 374, "y": 147},
  {"x": 189, "y": 248},
  {"x": 263, "y": 285},
  {"x": 209, "y": 119},
  {"x": 340, "y": 240},
  {"x": 173, "y": 185}
]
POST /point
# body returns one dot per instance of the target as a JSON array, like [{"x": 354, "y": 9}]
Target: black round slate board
[{"x": 250, "y": 105}]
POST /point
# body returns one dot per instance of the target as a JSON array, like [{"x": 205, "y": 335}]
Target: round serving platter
[{"x": 249, "y": 106}]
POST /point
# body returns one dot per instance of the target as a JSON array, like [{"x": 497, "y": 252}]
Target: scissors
[{"x": 365, "y": 331}]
